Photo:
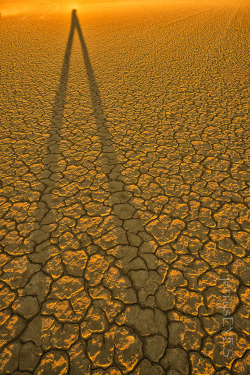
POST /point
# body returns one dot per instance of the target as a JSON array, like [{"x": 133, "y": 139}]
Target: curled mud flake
[
  {"x": 175, "y": 279},
  {"x": 9, "y": 358},
  {"x": 193, "y": 272},
  {"x": 62, "y": 310},
  {"x": 188, "y": 302},
  {"x": 99, "y": 292},
  {"x": 227, "y": 244},
  {"x": 242, "y": 239},
  {"x": 67, "y": 241},
  {"x": 96, "y": 268},
  {"x": 64, "y": 335},
  {"x": 212, "y": 324},
  {"x": 54, "y": 267},
  {"x": 6, "y": 297},
  {"x": 214, "y": 256},
  {"x": 233, "y": 185},
  {"x": 75, "y": 262},
  {"x": 75, "y": 210},
  {"x": 241, "y": 366},
  {"x": 119, "y": 285},
  {"x": 66, "y": 287},
  {"x": 101, "y": 349},
  {"x": 240, "y": 267},
  {"x": 94, "y": 322},
  {"x": 225, "y": 214},
  {"x": 165, "y": 230},
  {"x": 176, "y": 208},
  {"x": 4, "y": 316},
  {"x": 219, "y": 234},
  {"x": 116, "y": 236},
  {"x": 80, "y": 302},
  {"x": 196, "y": 229},
  {"x": 167, "y": 254},
  {"x": 128, "y": 349},
  {"x": 78, "y": 359},
  {"x": 18, "y": 271},
  {"x": 53, "y": 362},
  {"x": 111, "y": 307},
  {"x": 201, "y": 365},
  {"x": 4, "y": 258},
  {"x": 181, "y": 246},
  {"x": 11, "y": 329},
  {"x": 120, "y": 346},
  {"x": 216, "y": 164},
  {"x": 97, "y": 209}
]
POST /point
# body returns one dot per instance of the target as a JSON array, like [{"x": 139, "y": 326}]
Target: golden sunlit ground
[{"x": 124, "y": 190}]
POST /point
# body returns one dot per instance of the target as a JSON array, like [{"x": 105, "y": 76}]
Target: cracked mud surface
[{"x": 125, "y": 193}]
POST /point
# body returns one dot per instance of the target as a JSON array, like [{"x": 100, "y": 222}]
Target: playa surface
[{"x": 124, "y": 189}]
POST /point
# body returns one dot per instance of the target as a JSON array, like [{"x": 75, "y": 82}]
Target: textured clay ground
[{"x": 125, "y": 192}]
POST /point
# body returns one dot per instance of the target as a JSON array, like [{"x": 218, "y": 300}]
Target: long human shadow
[{"x": 96, "y": 101}]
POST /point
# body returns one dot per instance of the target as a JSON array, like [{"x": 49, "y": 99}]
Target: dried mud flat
[{"x": 125, "y": 192}]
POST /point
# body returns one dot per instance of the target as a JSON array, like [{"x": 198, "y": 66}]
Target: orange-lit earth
[{"x": 124, "y": 190}]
